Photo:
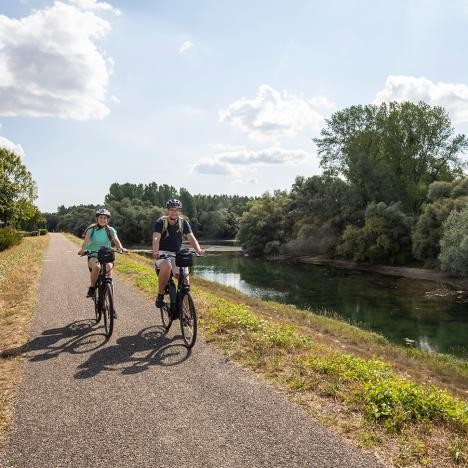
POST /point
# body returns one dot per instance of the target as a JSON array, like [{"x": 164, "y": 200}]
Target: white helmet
[{"x": 103, "y": 211}]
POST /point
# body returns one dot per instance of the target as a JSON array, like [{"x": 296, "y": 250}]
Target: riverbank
[{"x": 406, "y": 272}]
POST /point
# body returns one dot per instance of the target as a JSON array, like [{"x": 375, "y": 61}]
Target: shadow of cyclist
[
  {"x": 134, "y": 354},
  {"x": 50, "y": 343}
]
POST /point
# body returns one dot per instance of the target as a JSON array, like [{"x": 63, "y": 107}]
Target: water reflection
[{"x": 398, "y": 308}]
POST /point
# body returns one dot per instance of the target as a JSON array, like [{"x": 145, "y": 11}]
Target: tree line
[
  {"x": 135, "y": 208},
  {"x": 393, "y": 191}
]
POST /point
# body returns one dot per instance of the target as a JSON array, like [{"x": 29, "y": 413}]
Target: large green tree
[
  {"x": 17, "y": 189},
  {"x": 392, "y": 152},
  {"x": 318, "y": 210}
]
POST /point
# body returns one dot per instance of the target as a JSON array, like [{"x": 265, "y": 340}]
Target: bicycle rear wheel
[
  {"x": 188, "y": 320},
  {"x": 108, "y": 309},
  {"x": 166, "y": 315}
]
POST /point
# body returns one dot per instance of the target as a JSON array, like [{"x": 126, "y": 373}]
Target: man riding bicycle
[
  {"x": 167, "y": 240},
  {"x": 98, "y": 235}
]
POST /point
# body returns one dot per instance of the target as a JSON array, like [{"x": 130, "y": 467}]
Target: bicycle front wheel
[
  {"x": 108, "y": 310},
  {"x": 97, "y": 306},
  {"x": 188, "y": 320}
]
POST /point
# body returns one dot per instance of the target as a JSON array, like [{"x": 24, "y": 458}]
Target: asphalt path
[{"x": 141, "y": 399}]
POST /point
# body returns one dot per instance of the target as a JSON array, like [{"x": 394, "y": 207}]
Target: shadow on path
[
  {"x": 134, "y": 354},
  {"x": 78, "y": 336}
]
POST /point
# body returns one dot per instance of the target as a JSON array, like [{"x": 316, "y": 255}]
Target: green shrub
[
  {"x": 454, "y": 243},
  {"x": 396, "y": 401},
  {"x": 9, "y": 237},
  {"x": 384, "y": 238},
  {"x": 43, "y": 232},
  {"x": 29, "y": 233}
]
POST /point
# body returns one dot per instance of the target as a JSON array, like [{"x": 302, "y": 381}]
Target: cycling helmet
[
  {"x": 174, "y": 203},
  {"x": 102, "y": 211}
]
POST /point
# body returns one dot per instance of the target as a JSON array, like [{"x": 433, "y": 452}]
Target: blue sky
[{"x": 213, "y": 96}]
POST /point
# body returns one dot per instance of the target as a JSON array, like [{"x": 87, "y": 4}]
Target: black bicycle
[
  {"x": 103, "y": 297},
  {"x": 178, "y": 302}
]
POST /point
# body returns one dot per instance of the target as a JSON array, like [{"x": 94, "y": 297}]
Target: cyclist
[
  {"x": 167, "y": 239},
  {"x": 98, "y": 235}
]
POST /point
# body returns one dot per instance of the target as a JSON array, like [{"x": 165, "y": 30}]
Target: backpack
[
  {"x": 165, "y": 232},
  {"x": 92, "y": 226}
]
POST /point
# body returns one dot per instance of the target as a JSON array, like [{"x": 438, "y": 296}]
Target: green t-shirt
[{"x": 99, "y": 239}]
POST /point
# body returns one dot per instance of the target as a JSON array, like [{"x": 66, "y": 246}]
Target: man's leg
[
  {"x": 164, "y": 275},
  {"x": 163, "y": 278}
]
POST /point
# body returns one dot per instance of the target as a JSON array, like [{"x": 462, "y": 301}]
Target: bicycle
[
  {"x": 179, "y": 303},
  {"x": 103, "y": 296}
]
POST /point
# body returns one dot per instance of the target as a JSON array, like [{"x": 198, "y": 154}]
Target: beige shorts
[
  {"x": 175, "y": 268},
  {"x": 93, "y": 260}
]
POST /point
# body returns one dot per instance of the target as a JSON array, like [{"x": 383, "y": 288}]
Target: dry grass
[{"x": 20, "y": 269}]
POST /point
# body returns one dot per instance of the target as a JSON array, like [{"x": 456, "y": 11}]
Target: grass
[
  {"x": 20, "y": 268},
  {"x": 349, "y": 379}
]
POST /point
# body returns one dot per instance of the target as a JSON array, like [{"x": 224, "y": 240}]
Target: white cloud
[
  {"x": 232, "y": 162},
  {"x": 453, "y": 97},
  {"x": 264, "y": 156},
  {"x": 210, "y": 166},
  {"x": 273, "y": 114},
  {"x": 10, "y": 146},
  {"x": 50, "y": 64},
  {"x": 94, "y": 5},
  {"x": 186, "y": 46},
  {"x": 253, "y": 181}
]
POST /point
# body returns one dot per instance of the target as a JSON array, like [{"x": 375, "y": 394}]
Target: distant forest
[{"x": 135, "y": 208}]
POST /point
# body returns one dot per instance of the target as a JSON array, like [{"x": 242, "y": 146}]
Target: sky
[{"x": 214, "y": 96}]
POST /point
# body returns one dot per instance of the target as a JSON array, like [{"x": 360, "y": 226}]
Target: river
[{"x": 397, "y": 308}]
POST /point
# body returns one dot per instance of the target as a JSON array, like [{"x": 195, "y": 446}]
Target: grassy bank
[
  {"x": 404, "y": 405},
  {"x": 20, "y": 269}
]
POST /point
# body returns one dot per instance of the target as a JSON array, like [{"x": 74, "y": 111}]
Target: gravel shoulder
[{"x": 142, "y": 399}]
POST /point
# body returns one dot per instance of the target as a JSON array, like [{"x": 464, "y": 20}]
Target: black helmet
[
  {"x": 174, "y": 203},
  {"x": 102, "y": 211}
]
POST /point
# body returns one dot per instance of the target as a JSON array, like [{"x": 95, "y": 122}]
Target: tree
[
  {"x": 17, "y": 189},
  {"x": 384, "y": 238},
  {"x": 392, "y": 152},
  {"x": 442, "y": 199},
  {"x": 454, "y": 243},
  {"x": 318, "y": 210},
  {"x": 261, "y": 228}
]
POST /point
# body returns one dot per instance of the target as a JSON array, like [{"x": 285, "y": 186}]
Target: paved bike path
[{"x": 141, "y": 400}]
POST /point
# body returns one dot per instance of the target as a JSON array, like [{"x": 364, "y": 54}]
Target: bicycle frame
[
  {"x": 182, "y": 285},
  {"x": 180, "y": 304},
  {"x": 104, "y": 297}
]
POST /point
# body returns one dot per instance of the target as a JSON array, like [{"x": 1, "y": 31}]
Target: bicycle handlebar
[
  {"x": 169, "y": 255},
  {"x": 87, "y": 252}
]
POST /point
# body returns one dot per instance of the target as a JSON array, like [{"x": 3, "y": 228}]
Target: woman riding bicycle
[
  {"x": 167, "y": 239},
  {"x": 98, "y": 235}
]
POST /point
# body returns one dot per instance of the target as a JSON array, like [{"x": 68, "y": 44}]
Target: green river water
[{"x": 424, "y": 311}]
